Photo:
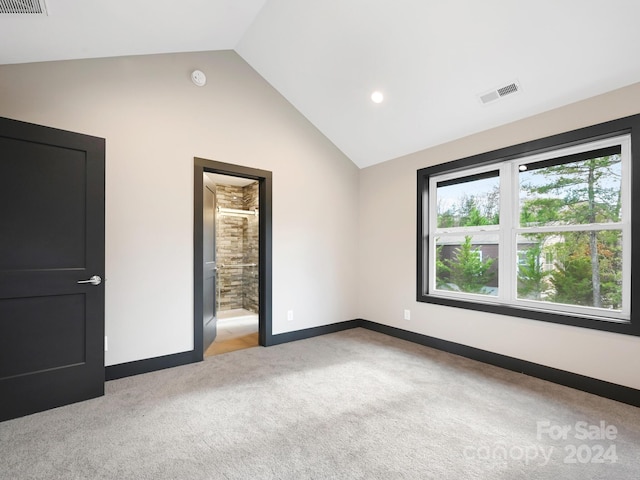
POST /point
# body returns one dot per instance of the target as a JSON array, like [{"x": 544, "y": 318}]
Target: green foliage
[
  {"x": 588, "y": 264},
  {"x": 466, "y": 269},
  {"x": 471, "y": 211},
  {"x": 531, "y": 275},
  {"x": 589, "y": 190},
  {"x": 443, "y": 272},
  {"x": 541, "y": 211},
  {"x": 610, "y": 254},
  {"x": 588, "y": 270},
  {"x": 475, "y": 218},
  {"x": 446, "y": 219},
  {"x": 572, "y": 276},
  {"x": 571, "y": 279}
]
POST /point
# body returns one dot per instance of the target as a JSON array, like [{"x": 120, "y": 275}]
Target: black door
[{"x": 51, "y": 268}]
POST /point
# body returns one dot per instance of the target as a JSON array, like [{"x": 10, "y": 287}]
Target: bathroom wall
[
  {"x": 237, "y": 243},
  {"x": 251, "y": 248}
]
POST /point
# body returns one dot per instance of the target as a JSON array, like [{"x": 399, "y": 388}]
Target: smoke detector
[
  {"x": 199, "y": 78},
  {"x": 23, "y": 7},
  {"x": 500, "y": 92}
]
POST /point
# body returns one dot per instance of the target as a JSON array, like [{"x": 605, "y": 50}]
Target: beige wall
[
  {"x": 155, "y": 121},
  {"x": 387, "y": 256}
]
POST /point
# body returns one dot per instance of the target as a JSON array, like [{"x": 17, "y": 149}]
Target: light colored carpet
[{"x": 350, "y": 405}]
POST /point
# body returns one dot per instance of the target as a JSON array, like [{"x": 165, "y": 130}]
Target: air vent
[
  {"x": 23, "y": 7},
  {"x": 500, "y": 92}
]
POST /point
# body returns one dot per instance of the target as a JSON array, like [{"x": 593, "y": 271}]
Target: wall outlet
[
  {"x": 290, "y": 316},
  {"x": 407, "y": 314},
  {"x": 106, "y": 344}
]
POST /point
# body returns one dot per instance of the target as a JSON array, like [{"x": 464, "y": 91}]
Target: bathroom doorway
[
  {"x": 232, "y": 257},
  {"x": 235, "y": 218}
]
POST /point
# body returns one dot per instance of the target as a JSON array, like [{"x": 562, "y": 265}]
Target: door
[
  {"x": 51, "y": 268},
  {"x": 209, "y": 263}
]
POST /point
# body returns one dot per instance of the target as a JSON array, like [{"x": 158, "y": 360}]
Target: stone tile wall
[
  {"x": 251, "y": 248},
  {"x": 237, "y": 243}
]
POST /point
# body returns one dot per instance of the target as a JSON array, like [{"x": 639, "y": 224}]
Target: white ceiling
[{"x": 430, "y": 58}]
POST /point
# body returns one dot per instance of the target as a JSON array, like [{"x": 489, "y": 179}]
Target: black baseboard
[
  {"x": 129, "y": 369},
  {"x": 601, "y": 388},
  {"x": 147, "y": 365},
  {"x": 312, "y": 332}
]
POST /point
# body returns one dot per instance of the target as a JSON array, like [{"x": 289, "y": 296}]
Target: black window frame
[{"x": 623, "y": 126}]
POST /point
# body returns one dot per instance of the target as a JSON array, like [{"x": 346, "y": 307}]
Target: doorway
[
  {"x": 232, "y": 257},
  {"x": 231, "y": 253}
]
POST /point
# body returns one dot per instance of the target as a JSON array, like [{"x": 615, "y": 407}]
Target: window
[{"x": 541, "y": 230}]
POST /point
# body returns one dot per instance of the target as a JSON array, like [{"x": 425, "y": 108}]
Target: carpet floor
[{"x": 349, "y": 405}]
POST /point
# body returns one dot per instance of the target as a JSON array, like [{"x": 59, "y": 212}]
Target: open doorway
[
  {"x": 231, "y": 225},
  {"x": 232, "y": 257}
]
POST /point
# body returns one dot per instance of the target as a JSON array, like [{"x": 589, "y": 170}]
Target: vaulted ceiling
[{"x": 431, "y": 59}]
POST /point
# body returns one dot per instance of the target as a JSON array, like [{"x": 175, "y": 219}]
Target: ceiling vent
[
  {"x": 23, "y": 7},
  {"x": 500, "y": 92}
]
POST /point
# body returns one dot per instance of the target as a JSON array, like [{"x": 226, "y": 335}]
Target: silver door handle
[{"x": 95, "y": 280}]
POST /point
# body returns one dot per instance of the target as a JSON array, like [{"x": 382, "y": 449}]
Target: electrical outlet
[
  {"x": 290, "y": 315},
  {"x": 407, "y": 314},
  {"x": 106, "y": 344}
]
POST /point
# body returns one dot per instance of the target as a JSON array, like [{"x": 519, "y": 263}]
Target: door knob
[{"x": 95, "y": 280}]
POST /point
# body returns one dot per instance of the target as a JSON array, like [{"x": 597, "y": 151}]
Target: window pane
[
  {"x": 576, "y": 190},
  {"x": 469, "y": 201},
  {"x": 467, "y": 264},
  {"x": 560, "y": 268}
]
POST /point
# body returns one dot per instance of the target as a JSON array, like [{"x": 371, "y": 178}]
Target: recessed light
[
  {"x": 522, "y": 168},
  {"x": 377, "y": 97}
]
